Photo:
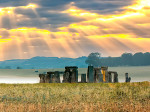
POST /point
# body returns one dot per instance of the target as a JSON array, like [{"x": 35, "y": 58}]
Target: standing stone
[
  {"x": 47, "y": 78},
  {"x": 96, "y": 72},
  {"x": 83, "y": 78},
  {"x": 90, "y": 75},
  {"x": 42, "y": 78},
  {"x": 110, "y": 77},
  {"x": 129, "y": 80},
  {"x": 115, "y": 77},
  {"x": 76, "y": 75},
  {"x": 57, "y": 77},
  {"x": 73, "y": 76},
  {"x": 99, "y": 78},
  {"x": 66, "y": 76},
  {"x": 97, "y": 75},
  {"x": 105, "y": 74},
  {"x": 53, "y": 77},
  {"x": 50, "y": 77},
  {"x": 126, "y": 77}
]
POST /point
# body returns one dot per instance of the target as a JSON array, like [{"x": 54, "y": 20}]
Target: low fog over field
[{"x": 137, "y": 74}]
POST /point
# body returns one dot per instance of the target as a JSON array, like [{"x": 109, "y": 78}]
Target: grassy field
[{"x": 88, "y": 97}]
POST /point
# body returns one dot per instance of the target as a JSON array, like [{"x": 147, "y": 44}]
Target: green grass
[{"x": 91, "y": 97}]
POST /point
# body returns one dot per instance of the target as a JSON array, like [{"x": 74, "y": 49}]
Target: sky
[{"x": 73, "y": 28}]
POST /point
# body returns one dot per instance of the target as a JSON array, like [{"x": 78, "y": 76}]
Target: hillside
[{"x": 43, "y": 62}]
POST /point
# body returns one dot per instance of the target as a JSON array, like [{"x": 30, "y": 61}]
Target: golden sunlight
[
  {"x": 139, "y": 4},
  {"x": 126, "y": 31},
  {"x": 31, "y": 6}
]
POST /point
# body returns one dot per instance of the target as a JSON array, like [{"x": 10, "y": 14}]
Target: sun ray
[{"x": 111, "y": 33}]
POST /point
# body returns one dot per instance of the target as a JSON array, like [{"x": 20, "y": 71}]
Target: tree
[
  {"x": 93, "y": 59},
  {"x": 7, "y": 67},
  {"x": 18, "y": 67},
  {"x": 146, "y": 58},
  {"x": 127, "y": 58},
  {"x": 138, "y": 59}
]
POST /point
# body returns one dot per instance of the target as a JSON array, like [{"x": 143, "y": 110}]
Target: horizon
[
  {"x": 73, "y": 28},
  {"x": 71, "y": 57}
]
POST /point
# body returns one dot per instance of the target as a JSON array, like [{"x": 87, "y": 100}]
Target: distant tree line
[
  {"x": 9, "y": 67},
  {"x": 126, "y": 59}
]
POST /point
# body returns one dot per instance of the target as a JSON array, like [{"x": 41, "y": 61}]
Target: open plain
[{"x": 88, "y": 97}]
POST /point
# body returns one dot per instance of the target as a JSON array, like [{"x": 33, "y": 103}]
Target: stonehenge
[{"x": 94, "y": 75}]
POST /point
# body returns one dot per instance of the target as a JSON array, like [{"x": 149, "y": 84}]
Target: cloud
[
  {"x": 103, "y": 6},
  {"x": 73, "y": 27},
  {"x": 51, "y": 10}
]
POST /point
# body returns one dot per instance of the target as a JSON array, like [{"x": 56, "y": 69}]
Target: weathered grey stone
[
  {"x": 83, "y": 78},
  {"x": 56, "y": 77},
  {"x": 126, "y": 77},
  {"x": 66, "y": 76},
  {"x": 73, "y": 76},
  {"x": 76, "y": 71},
  {"x": 42, "y": 78},
  {"x": 47, "y": 78},
  {"x": 70, "y": 74},
  {"x": 115, "y": 77},
  {"x": 98, "y": 76},
  {"x": 129, "y": 80},
  {"x": 110, "y": 77},
  {"x": 50, "y": 74},
  {"x": 90, "y": 75}
]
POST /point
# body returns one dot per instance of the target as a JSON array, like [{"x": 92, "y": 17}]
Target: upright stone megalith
[
  {"x": 83, "y": 78},
  {"x": 42, "y": 78},
  {"x": 90, "y": 74},
  {"x": 115, "y": 77},
  {"x": 50, "y": 77},
  {"x": 57, "y": 77},
  {"x": 47, "y": 78},
  {"x": 98, "y": 77},
  {"x": 105, "y": 74},
  {"x": 70, "y": 74},
  {"x": 110, "y": 77},
  {"x": 127, "y": 78}
]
